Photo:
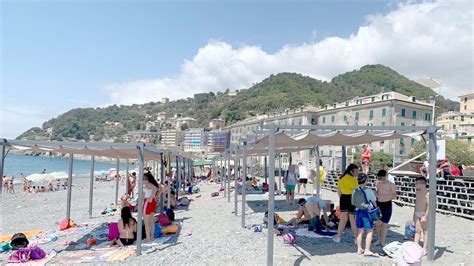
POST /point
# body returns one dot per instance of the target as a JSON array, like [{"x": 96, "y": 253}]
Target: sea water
[{"x": 16, "y": 164}]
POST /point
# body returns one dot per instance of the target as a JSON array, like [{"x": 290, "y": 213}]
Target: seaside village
[{"x": 345, "y": 183}]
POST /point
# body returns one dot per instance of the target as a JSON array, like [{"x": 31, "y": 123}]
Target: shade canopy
[
  {"x": 111, "y": 150},
  {"x": 291, "y": 142}
]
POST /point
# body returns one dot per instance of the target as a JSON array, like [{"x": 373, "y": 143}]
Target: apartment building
[
  {"x": 218, "y": 140},
  {"x": 196, "y": 140},
  {"x": 385, "y": 109},
  {"x": 172, "y": 138}
]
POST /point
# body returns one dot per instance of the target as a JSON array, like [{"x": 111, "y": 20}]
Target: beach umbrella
[
  {"x": 39, "y": 178},
  {"x": 112, "y": 171}
]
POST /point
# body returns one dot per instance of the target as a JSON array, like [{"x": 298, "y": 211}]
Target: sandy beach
[{"x": 211, "y": 234}]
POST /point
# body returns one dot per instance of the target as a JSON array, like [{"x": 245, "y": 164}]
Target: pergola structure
[
  {"x": 137, "y": 151},
  {"x": 277, "y": 139}
]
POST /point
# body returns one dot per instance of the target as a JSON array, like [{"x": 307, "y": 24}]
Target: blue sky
[{"x": 57, "y": 55}]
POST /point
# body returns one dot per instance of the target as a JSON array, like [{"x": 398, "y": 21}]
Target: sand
[{"x": 212, "y": 233}]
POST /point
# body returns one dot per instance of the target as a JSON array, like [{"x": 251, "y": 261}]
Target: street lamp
[{"x": 432, "y": 84}]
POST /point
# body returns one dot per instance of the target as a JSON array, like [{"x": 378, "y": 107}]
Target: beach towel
[
  {"x": 23, "y": 255},
  {"x": 93, "y": 256},
  {"x": 113, "y": 231},
  {"x": 28, "y": 234},
  {"x": 306, "y": 233}
]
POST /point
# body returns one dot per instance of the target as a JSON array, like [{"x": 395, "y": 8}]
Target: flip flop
[
  {"x": 360, "y": 252},
  {"x": 371, "y": 254}
]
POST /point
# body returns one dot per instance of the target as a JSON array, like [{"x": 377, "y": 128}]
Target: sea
[{"x": 16, "y": 164}]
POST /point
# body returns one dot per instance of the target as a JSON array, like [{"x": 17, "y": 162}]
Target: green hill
[{"x": 277, "y": 92}]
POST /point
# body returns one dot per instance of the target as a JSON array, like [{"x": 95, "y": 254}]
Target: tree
[{"x": 457, "y": 152}]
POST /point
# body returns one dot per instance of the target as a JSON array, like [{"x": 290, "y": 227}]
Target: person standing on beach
[
  {"x": 132, "y": 184},
  {"x": 385, "y": 192},
  {"x": 5, "y": 184},
  {"x": 345, "y": 186},
  {"x": 363, "y": 221},
  {"x": 365, "y": 159},
  {"x": 150, "y": 190},
  {"x": 420, "y": 217},
  {"x": 303, "y": 178},
  {"x": 290, "y": 184}
]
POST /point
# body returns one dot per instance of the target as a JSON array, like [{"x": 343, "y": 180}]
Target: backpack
[
  {"x": 266, "y": 187},
  {"x": 170, "y": 213},
  {"x": 163, "y": 219},
  {"x": 18, "y": 241},
  {"x": 358, "y": 199},
  {"x": 289, "y": 239},
  {"x": 409, "y": 230},
  {"x": 23, "y": 255}
]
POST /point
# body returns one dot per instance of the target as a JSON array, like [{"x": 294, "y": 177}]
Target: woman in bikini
[
  {"x": 150, "y": 191},
  {"x": 127, "y": 227}
]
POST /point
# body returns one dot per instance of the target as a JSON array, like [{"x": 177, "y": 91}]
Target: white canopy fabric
[
  {"x": 111, "y": 150},
  {"x": 306, "y": 140}
]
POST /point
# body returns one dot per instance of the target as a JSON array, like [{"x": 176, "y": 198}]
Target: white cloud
[
  {"x": 17, "y": 119},
  {"x": 418, "y": 40}
]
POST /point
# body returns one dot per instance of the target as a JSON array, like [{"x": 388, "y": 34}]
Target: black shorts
[
  {"x": 127, "y": 241},
  {"x": 386, "y": 210},
  {"x": 303, "y": 181},
  {"x": 345, "y": 204}
]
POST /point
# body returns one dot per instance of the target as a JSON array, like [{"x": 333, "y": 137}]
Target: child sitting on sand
[
  {"x": 363, "y": 222},
  {"x": 420, "y": 217}
]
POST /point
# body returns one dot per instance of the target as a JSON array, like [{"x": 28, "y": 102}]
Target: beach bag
[
  {"x": 23, "y": 255},
  {"x": 256, "y": 229},
  {"x": 170, "y": 213},
  {"x": 6, "y": 246},
  {"x": 163, "y": 219},
  {"x": 66, "y": 224},
  {"x": 158, "y": 229},
  {"x": 289, "y": 239},
  {"x": 411, "y": 254},
  {"x": 409, "y": 230},
  {"x": 172, "y": 229},
  {"x": 266, "y": 187},
  {"x": 374, "y": 214},
  {"x": 215, "y": 194},
  {"x": 113, "y": 231},
  {"x": 18, "y": 241}
]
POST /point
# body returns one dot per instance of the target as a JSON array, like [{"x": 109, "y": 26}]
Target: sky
[{"x": 58, "y": 55}]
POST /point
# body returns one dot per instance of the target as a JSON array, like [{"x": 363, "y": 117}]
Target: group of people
[
  {"x": 297, "y": 177},
  {"x": 8, "y": 184},
  {"x": 358, "y": 203},
  {"x": 152, "y": 191}
]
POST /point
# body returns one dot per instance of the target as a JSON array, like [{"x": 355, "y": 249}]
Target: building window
[
  {"x": 402, "y": 124},
  {"x": 402, "y": 151},
  {"x": 332, "y": 119},
  {"x": 382, "y": 142},
  {"x": 384, "y": 112},
  {"x": 330, "y": 153},
  {"x": 383, "y": 124},
  {"x": 465, "y": 107},
  {"x": 402, "y": 142},
  {"x": 345, "y": 118},
  {"x": 322, "y": 152},
  {"x": 413, "y": 99},
  {"x": 403, "y": 112},
  {"x": 357, "y": 116},
  {"x": 347, "y": 103},
  {"x": 326, "y": 107},
  {"x": 465, "y": 99},
  {"x": 358, "y": 101},
  {"x": 334, "y": 105},
  {"x": 462, "y": 118},
  {"x": 384, "y": 97},
  {"x": 454, "y": 126},
  {"x": 324, "y": 120},
  {"x": 373, "y": 99},
  {"x": 412, "y": 142},
  {"x": 469, "y": 140},
  {"x": 371, "y": 114},
  {"x": 414, "y": 114}
]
